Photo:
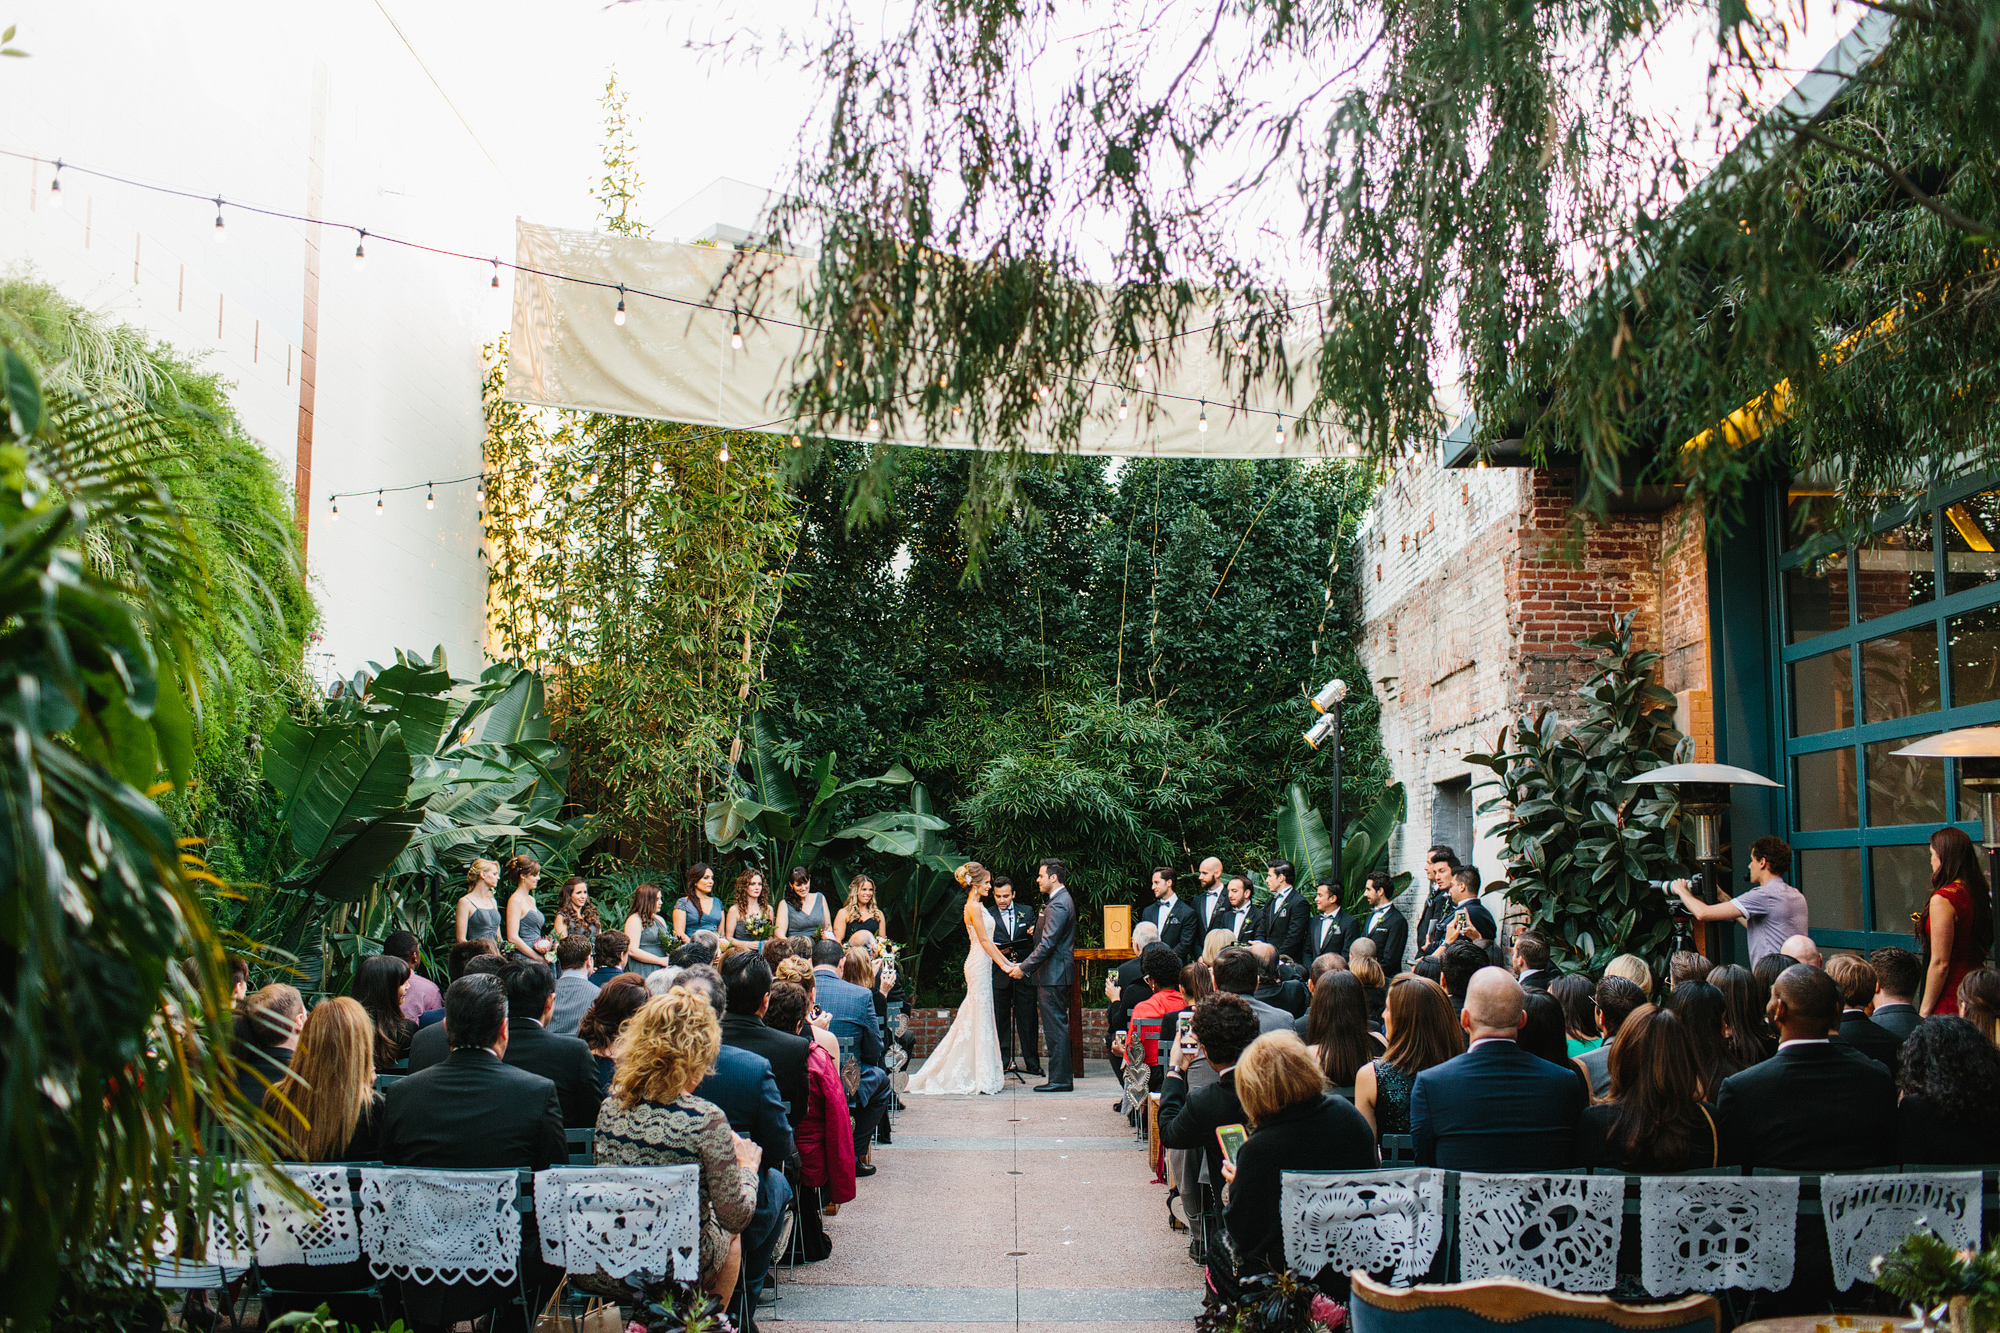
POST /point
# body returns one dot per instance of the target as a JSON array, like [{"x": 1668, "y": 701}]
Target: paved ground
[{"x": 1025, "y": 1211}]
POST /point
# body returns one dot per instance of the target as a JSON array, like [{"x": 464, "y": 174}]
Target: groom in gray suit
[{"x": 1053, "y": 966}]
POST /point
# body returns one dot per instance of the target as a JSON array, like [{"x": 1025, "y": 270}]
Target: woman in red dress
[{"x": 1955, "y": 930}]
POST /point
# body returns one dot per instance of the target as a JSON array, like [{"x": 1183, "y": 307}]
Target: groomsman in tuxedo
[
  {"x": 1238, "y": 914},
  {"x": 1286, "y": 915},
  {"x": 1385, "y": 923},
  {"x": 1440, "y": 864},
  {"x": 1210, "y": 897},
  {"x": 1014, "y": 1001},
  {"x": 1179, "y": 928},
  {"x": 1333, "y": 929}
]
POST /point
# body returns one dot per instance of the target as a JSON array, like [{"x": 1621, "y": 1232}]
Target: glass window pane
[
  {"x": 1972, "y": 542},
  {"x": 1899, "y": 674},
  {"x": 1809, "y": 511},
  {"x": 1827, "y": 798},
  {"x": 1902, "y": 883},
  {"x": 1903, "y": 790},
  {"x": 1816, "y": 597},
  {"x": 1896, "y": 569},
  {"x": 1823, "y": 692},
  {"x": 1975, "y": 656},
  {"x": 1830, "y": 878}
]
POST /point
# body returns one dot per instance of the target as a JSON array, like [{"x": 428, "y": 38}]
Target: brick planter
[{"x": 928, "y": 1027}]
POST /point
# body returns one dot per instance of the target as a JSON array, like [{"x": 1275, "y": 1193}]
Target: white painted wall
[{"x": 220, "y": 100}]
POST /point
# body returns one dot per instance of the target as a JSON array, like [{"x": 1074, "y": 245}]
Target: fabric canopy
[{"x": 672, "y": 359}]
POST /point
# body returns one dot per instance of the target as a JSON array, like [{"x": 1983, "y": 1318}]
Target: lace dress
[
  {"x": 1392, "y": 1098},
  {"x": 688, "y": 1129},
  {"x": 967, "y": 1060}
]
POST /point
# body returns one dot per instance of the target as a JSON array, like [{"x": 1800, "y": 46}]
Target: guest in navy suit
[
  {"x": 1497, "y": 1107},
  {"x": 853, "y": 1010}
]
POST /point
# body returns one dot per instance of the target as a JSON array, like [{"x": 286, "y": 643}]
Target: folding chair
[
  {"x": 582, "y": 1151},
  {"x": 284, "y": 1228},
  {"x": 1135, "y": 1107}
]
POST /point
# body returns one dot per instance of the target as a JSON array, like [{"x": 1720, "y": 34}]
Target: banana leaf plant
[
  {"x": 770, "y": 819},
  {"x": 921, "y": 895},
  {"x": 1581, "y": 843},
  {"x": 1303, "y": 840}
]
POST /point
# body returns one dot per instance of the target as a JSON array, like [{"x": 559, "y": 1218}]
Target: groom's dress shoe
[{"x": 1055, "y": 1087}]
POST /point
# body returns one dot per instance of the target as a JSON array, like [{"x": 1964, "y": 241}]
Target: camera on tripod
[{"x": 1698, "y": 885}]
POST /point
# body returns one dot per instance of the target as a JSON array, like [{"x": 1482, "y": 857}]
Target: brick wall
[{"x": 928, "y": 1027}]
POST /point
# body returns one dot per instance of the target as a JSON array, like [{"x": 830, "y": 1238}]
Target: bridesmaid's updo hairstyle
[
  {"x": 973, "y": 876},
  {"x": 797, "y": 885},
  {"x": 523, "y": 867},
  {"x": 473, "y": 872}
]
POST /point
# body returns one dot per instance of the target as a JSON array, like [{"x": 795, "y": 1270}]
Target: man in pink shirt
[{"x": 423, "y": 994}]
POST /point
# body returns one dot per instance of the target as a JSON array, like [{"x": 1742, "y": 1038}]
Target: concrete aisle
[{"x": 1025, "y": 1211}]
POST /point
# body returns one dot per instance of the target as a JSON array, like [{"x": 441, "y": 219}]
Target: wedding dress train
[{"x": 968, "y": 1058}]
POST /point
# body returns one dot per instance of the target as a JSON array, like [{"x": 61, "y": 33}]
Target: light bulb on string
[
  {"x": 1202, "y": 423},
  {"x": 656, "y": 467},
  {"x": 220, "y": 234},
  {"x": 378, "y": 504},
  {"x": 430, "y": 496},
  {"x": 1123, "y": 408},
  {"x": 797, "y": 442},
  {"x": 479, "y": 491},
  {"x": 722, "y": 454},
  {"x": 874, "y": 426},
  {"x": 736, "y": 335},
  {"x": 496, "y": 275},
  {"x": 618, "y": 315},
  {"x": 336, "y": 507},
  {"x": 55, "y": 186},
  {"x": 361, "y": 247},
  {"x": 1281, "y": 432},
  {"x": 1139, "y": 369}
]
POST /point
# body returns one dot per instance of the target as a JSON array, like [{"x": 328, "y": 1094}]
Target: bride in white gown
[{"x": 968, "y": 1059}]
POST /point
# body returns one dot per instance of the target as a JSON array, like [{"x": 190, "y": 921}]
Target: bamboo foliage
[{"x": 640, "y": 570}]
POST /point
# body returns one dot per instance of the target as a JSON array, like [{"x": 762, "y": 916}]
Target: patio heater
[
  {"x": 1977, "y": 750},
  {"x": 1704, "y": 793}
]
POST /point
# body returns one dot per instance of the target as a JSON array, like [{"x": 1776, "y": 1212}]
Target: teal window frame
[{"x": 1855, "y": 738}]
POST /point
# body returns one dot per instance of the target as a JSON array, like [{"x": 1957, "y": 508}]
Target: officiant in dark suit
[
  {"x": 1014, "y": 1001},
  {"x": 1051, "y": 965},
  {"x": 1180, "y": 929}
]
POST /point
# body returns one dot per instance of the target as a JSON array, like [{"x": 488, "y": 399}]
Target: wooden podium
[{"x": 1084, "y": 956}]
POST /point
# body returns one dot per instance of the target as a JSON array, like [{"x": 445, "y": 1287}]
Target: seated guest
[
  {"x": 1633, "y": 969},
  {"x": 1656, "y": 1121},
  {"x": 609, "y": 956},
  {"x": 1236, "y": 974},
  {"x": 825, "y": 1134},
  {"x": 617, "y": 1000},
  {"x": 1497, "y": 1107},
  {"x": 475, "y": 1111},
  {"x": 1767, "y": 970},
  {"x": 1125, "y": 988},
  {"x": 460, "y": 960},
  {"x": 1745, "y": 1024},
  {"x": 819, "y": 1023},
  {"x": 1530, "y": 961},
  {"x": 1579, "y": 1009},
  {"x": 1898, "y": 974},
  {"x": 854, "y": 1023},
  {"x": 661, "y": 979},
  {"x": 857, "y": 968},
  {"x": 574, "y": 989},
  {"x": 1325, "y": 963},
  {"x": 1296, "y": 1125},
  {"x": 1614, "y": 999},
  {"x": 747, "y": 982},
  {"x": 1197, "y": 983},
  {"x": 776, "y": 950},
  {"x": 1684, "y": 965},
  {"x": 1459, "y": 966},
  {"x": 1813, "y": 1106},
  {"x": 1856, "y": 980},
  {"x": 564, "y": 1061},
  {"x": 1801, "y": 949},
  {"x": 266, "y": 1037},
  {"x": 1338, "y": 1036},
  {"x": 1222, "y": 1027},
  {"x": 653, "y": 1118},
  {"x": 1430, "y": 969},
  {"x": 431, "y": 1044},
  {"x": 1273, "y": 989},
  {"x": 423, "y": 996},
  {"x": 1979, "y": 1001},
  {"x": 1704, "y": 1018},
  {"x": 1544, "y": 1035},
  {"x": 693, "y": 954},
  {"x": 1423, "y": 1032},
  {"x": 327, "y": 1114},
  {"x": 741, "y": 1083},
  {"x": 1374, "y": 986},
  {"x": 379, "y": 984},
  {"x": 1214, "y": 943},
  {"x": 1163, "y": 973},
  {"x": 1949, "y": 1075}
]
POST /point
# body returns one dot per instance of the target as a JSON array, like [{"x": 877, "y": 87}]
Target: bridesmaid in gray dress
[
  {"x": 525, "y": 921},
  {"x": 478, "y": 910},
  {"x": 647, "y": 930},
  {"x": 802, "y": 915}
]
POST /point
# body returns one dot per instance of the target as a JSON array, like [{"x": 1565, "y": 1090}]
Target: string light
[
  {"x": 1139, "y": 369},
  {"x": 618, "y": 315},
  {"x": 874, "y": 426},
  {"x": 657, "y": 467},
  {"x": 797, "y": 442},
  {"x": 1281, "y": 434},
  {"x": 336, "y": 508},
  {"x": 55, "y": 186},
  {"x": 722, "y": 454},
  {"x": 736, "y": 334},
  {"x": 430, "y": 496},
  {"x": 360, "y": 246},
  {"x": 220, "y": 234},
  {"x": 496, "y": 275},
  {"x": 1202, "y": 424},
  {"x": 378, "y": 504},
  {"x": 1123, "y": 408},
  {"x": 479, "y": 492}
]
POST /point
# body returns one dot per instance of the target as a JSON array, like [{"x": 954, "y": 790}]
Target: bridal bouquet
[
  {"x": 885, "y": 949},
  {"x": 761, "y": 927}
]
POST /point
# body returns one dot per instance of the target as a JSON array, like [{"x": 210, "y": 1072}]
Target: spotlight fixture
[
  {"x": 220, "y": 234},
  {"x": 618, "y": 315},
  {"x": 1329, "y": 694},
  {"x": 1321, "y": 729},
  {"x": 360, "y": 247}
]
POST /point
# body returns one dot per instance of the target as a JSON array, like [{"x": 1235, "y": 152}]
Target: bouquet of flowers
[
  {"x": 761, "y": 927},
  {"x": 885, "y": 949},
  {"x": 1959, "y": 1288}
]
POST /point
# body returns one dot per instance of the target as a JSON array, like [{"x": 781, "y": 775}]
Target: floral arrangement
[
  {"x": 760, "y": 927},
  {"x": 1273, "y": 1303},
  {"x": 1958, "y": 1289},
  {"x": 675, "y": 1307}
]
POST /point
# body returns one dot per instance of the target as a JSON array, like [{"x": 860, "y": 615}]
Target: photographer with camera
[
  {"x": 1469, "y": 919},
  {"x": 1773, "y": 911}
]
